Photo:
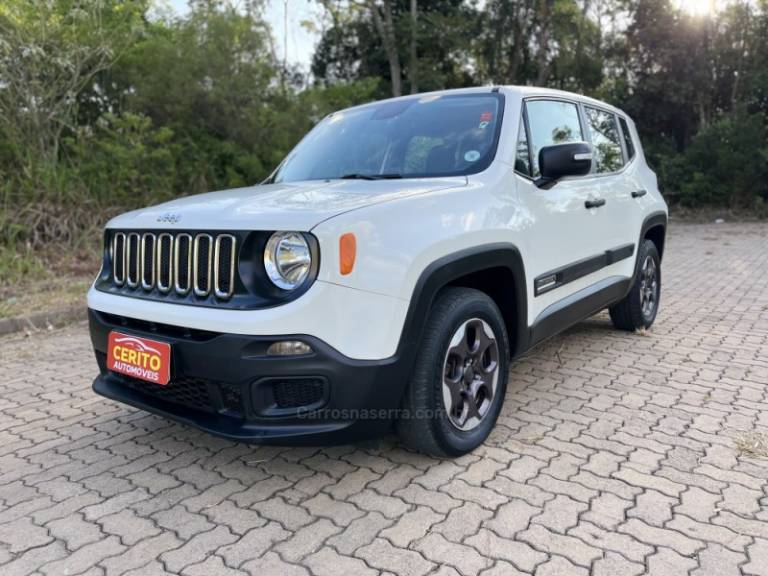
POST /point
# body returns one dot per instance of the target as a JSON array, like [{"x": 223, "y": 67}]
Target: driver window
[{"x": 551, "y": 122}]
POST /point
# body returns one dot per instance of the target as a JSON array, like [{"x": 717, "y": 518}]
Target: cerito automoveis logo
[{"x": 139, "y": 358}]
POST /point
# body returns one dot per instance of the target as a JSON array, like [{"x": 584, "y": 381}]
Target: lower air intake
[{"x": 298, "y": 392}]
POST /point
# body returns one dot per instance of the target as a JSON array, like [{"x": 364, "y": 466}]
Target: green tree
[
  {"x": 351, "y": 47},
  {"x": 726, "y": 164},
  {"x": 50, "y": 52},
  {"x": 211, "y": 78}
]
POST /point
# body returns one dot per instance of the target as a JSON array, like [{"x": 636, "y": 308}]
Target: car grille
[
  {"x": 200, "y": 394},
  {"x": 190, "y": 392},
  {"x": 194, "y": 393},
  {"x": 179, "y": 263}
]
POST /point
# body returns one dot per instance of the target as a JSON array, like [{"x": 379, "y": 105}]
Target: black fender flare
[
  {"x": 451, "y": 267},
  {"x": 651, "y": 221}
]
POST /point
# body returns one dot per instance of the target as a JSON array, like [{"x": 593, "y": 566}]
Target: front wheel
[
  {"x": 639, "y": 308},
  {"x": 459, "y": 378}
]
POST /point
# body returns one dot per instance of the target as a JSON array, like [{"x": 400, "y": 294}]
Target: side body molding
[
  {"x": 590, "y": 300},
  {"x": 562, "y": 276}
]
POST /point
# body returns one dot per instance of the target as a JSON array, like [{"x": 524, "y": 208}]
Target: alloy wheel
[
  {"x": 470, "y": 374},
  {"x": 649, "y": 287}
]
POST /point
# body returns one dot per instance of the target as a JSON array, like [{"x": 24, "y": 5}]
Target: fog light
[{"x": 289, "y": 348}]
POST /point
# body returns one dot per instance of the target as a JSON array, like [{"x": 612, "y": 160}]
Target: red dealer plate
[{"x": 140, "y": 358}]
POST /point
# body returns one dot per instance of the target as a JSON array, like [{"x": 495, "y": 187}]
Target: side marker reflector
[{"x": 347, "y": 253}]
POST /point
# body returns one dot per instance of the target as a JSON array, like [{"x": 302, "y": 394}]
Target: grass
[
  {"x": 752, "y": 444},
  {"x": 18, "y": 266},
  {"x": 45, "y": 296},
  {"x": 31, "y": 283}
]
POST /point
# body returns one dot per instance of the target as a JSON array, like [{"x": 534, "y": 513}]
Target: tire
[
  {"x": 463, "y": 324},
  {"x": 636, "y": 311}
]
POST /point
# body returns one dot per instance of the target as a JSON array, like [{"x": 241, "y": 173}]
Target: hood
[{"x": 296, "y": 206}]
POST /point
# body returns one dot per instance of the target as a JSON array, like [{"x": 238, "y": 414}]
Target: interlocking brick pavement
[{"x": 615, "y": 454}]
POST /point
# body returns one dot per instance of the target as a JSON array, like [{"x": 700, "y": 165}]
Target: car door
[
  {"x": 615, "y": 179},
  {"x": 566, "y": 239}
]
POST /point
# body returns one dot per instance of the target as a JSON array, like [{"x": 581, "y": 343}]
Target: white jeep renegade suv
[{"x": 386, "y": 273}]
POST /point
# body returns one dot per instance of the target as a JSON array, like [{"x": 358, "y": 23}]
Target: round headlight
[{"x": 287, "y": 259}]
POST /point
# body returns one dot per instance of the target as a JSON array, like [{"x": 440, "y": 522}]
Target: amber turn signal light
[{"x": 347, "y": 253}]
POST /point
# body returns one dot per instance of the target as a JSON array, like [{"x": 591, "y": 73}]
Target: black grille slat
[
  {"x": 164, "y": 256},
  {"x": 183, "y": 263},
  {"x": 132, "y": 256},
  {"x": 118, "y": 259},
  {"x": 225, "y": 248},
  {"x": 148, "y": 262},
  {"x": 203, "y": 265}
]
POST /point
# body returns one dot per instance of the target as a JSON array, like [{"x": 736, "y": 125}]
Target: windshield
[{"x": 417, "y": 137}]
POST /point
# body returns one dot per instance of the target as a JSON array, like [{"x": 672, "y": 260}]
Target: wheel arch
[
  {"x": 655, "y": 229},
  {"x": 496, "y": 269}
]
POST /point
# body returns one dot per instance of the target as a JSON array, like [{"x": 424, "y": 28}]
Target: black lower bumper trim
[
  {"x": 226, "y": 385},
  {"x": 220, "y": 424}
]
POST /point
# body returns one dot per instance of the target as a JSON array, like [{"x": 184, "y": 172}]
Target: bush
[
  {"x": 725, "y": 165},
  {"x": 123, "y": 161}
]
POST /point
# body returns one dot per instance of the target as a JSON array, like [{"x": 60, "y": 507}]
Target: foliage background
[{"x": 107, "y": 106}]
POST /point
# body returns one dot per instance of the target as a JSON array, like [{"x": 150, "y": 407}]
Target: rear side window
[
  {"x": 551, "y": 122},
  {"x": 606, "y": 142},
  {"x": 627, "y": 139}
]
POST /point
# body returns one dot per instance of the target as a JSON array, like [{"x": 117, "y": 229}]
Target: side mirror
[{"x": 560, "y": 160}]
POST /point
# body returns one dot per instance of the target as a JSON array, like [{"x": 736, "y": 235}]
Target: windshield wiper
[{"x": 356, "y": 176}]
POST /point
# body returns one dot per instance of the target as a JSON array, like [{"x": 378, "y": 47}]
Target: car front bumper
[{"x": 225, "y": 384}]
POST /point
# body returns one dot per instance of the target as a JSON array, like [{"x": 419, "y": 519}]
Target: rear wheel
[
  {"x": 460, "y": 376},
  {"x": 639, "y": 308}
]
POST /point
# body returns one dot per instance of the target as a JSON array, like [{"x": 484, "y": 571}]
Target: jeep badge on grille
[{"x": 169, "y": 218}]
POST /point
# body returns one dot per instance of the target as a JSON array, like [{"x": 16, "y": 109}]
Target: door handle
[
  {"x": 594, "y": 203},
  {"x": 639, "y": 193}
]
